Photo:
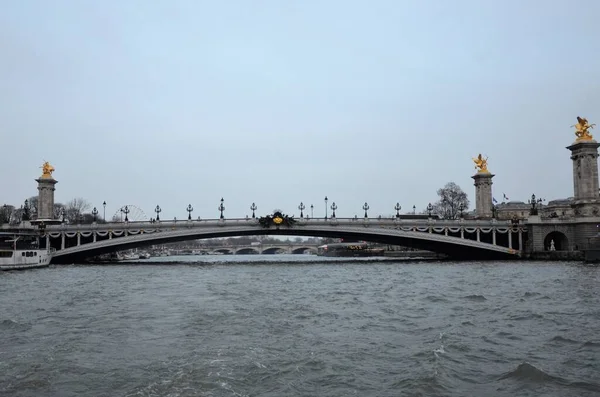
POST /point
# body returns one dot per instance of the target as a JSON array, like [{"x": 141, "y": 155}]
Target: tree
[
  {"x": 5, "y": 213},
  {"x": 75, "y": 208},
  {"x": 33, "y": 205},
  {"x": 451, "y": 199}
]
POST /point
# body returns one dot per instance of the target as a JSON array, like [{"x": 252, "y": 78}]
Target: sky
[{"x": 280, "y": 102}]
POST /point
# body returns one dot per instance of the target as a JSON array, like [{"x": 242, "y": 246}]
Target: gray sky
[{"x": 277, "y": 102}]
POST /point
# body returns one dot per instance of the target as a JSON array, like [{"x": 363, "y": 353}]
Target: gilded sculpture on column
[
  {"x": 582, "y": 129},
  {"x": 480, "y": 164},
  {"x": 47, "y": 170}
]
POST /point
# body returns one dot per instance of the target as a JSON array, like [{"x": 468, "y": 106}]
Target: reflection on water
[{"x": 304, "y": 329}]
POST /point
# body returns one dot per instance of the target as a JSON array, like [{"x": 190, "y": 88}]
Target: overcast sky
[{"x": 278, "y": 102}]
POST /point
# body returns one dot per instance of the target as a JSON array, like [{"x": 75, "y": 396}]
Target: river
[{"x": 291, "y": 326}]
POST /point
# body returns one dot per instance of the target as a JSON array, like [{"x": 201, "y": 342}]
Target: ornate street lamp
[
  {"x": 253, "y": 207},
  {"x": 104, "y": 213},
  {"x": 189, "y": 209},
  {"x": 301, "y": 207},
  {"x": 95, "y": 214},
  {"x": 326, "y": 199},
  {"x": 429, "y": 209},
  {"x": 222, "y": 208},
  {"x": 333, "y": 208},
  {"x": 62, "y": 214},
  {"x": 414, "y": 209},
  {"x": 397, "y": 207},
  {"x": 366, "y": 208},
  {"x": 534, "y": 204},
  {"x": 80, "y": 218},
  {"x": 126, "y": 211},
  {"x": 461, "y": 208},
  {"x": 312, "y": 207},
  {"x": 158, "y": 210}
]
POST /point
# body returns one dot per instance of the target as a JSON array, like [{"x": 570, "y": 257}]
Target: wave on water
[
  {"x": 529, "y": 373},
  {"x": 8, "y": 324},
  {"x": 475, "y": 298}
]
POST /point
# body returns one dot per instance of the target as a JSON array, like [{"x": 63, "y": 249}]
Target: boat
[
  {"x": 20, "y": 253},
  {"x": 354, "y": 249}
]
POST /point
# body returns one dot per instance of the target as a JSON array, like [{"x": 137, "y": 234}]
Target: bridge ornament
[
  {"x": 47, "y": 170},
  {"x": 582, "y": 129},
  {"x": 277, "y": 219},
  {"x": 481, "y": 164}
]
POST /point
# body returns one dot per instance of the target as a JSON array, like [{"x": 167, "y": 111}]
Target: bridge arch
[
  {"x": 247, "y": 251},
  {"x": 273, "y": 250},
  {"x": 224, "y": 251},
  {"x": 459, "y": 248},
  {"x": 303, "y": 250},
  {"x": 556, "y": 240}
]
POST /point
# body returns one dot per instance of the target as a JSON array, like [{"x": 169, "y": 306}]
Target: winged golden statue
[
  {"x": 480, "y": 163},
  {"x": 582, "y": 129},
  {"x": 47, "y": 170}
]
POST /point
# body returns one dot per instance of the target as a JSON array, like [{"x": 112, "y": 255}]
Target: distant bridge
[
  {"x": 460, "y": 239},
  {"x": 267, "y": 248}
]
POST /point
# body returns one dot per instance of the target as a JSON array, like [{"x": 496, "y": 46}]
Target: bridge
[
  {"x": 563, "y": 229},
  {"x": 244, "y": 249},
  {"x": 460, "y": 239}
]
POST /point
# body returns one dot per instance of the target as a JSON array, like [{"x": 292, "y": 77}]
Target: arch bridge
[{"x": 459, "y": 239}]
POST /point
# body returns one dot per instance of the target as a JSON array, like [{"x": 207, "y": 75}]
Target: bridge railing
[{"x": 182, "y": 224}]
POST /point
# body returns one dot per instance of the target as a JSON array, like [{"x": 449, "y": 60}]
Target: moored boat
[
  {"x": 17, "y": 253},
  {"x": 356, "y": 249}
]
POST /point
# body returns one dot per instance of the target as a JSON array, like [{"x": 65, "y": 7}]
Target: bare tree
[
  {"x": 75, "y": 208},
  {"x": 452, "y": 199},
  {"x": 57, "y": 211},
  {"x": 6, "y": 211},
  {"x": 33, "y": 205}
]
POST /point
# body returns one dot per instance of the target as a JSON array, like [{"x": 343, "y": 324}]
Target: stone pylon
[
  {"x": 584, "y": 153},
  {"x": 483, "y": 194},
  {"x": 45, "y": 210}
]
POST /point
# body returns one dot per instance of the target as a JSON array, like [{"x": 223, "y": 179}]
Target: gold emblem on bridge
[
  {"x": 47, "y": 170},
  {"x": 582, "y": 129},
  {"x": 481, "y": 164},
  {"x": 278, "y": 220}
]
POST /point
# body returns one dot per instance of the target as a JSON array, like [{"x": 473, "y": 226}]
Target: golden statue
[
  {"x": 47, "y": 170},
  {"x": 582, "y": 129},
  {"x": 480, "y": 163}
]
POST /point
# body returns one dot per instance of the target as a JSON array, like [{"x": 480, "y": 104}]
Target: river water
[{"x": 277, "y": 328}]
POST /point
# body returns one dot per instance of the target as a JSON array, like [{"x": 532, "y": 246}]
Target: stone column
[
  {"x": 46, "y": 189},
  {"x": 584, "y": 154},
  {"x": 483, "y": 194}
]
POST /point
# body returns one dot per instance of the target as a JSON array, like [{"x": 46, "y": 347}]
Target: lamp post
[
  {"x": 312, "y": 207},
  {"x": 429, "y": 209},
  {"x": 326, "y": 199},
  {"x": 222, "y": 208},
  {"x": 397, "y": 207},
  {"x": 95, "y": 214},
  {"x": 301, "y": 207},
  {"x": 366, "y": 208},
  {"x": 333, "y": 208},
  {"x": 189, "y": 209},
  {"x": 414, "y": 209},
  {"x": 461, "y": 208},
  {"x": 62, "y": 214},
  {"x": 158, "y": 211},
  {"x": 104, "y": 213},
  {"x": 534, "y": 204},
  {"x": 253, "y": 207},
  {"x": 126, "y": 211}
]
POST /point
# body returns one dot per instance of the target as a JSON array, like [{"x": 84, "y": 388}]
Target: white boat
[{"x": 17, "y": 257}]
